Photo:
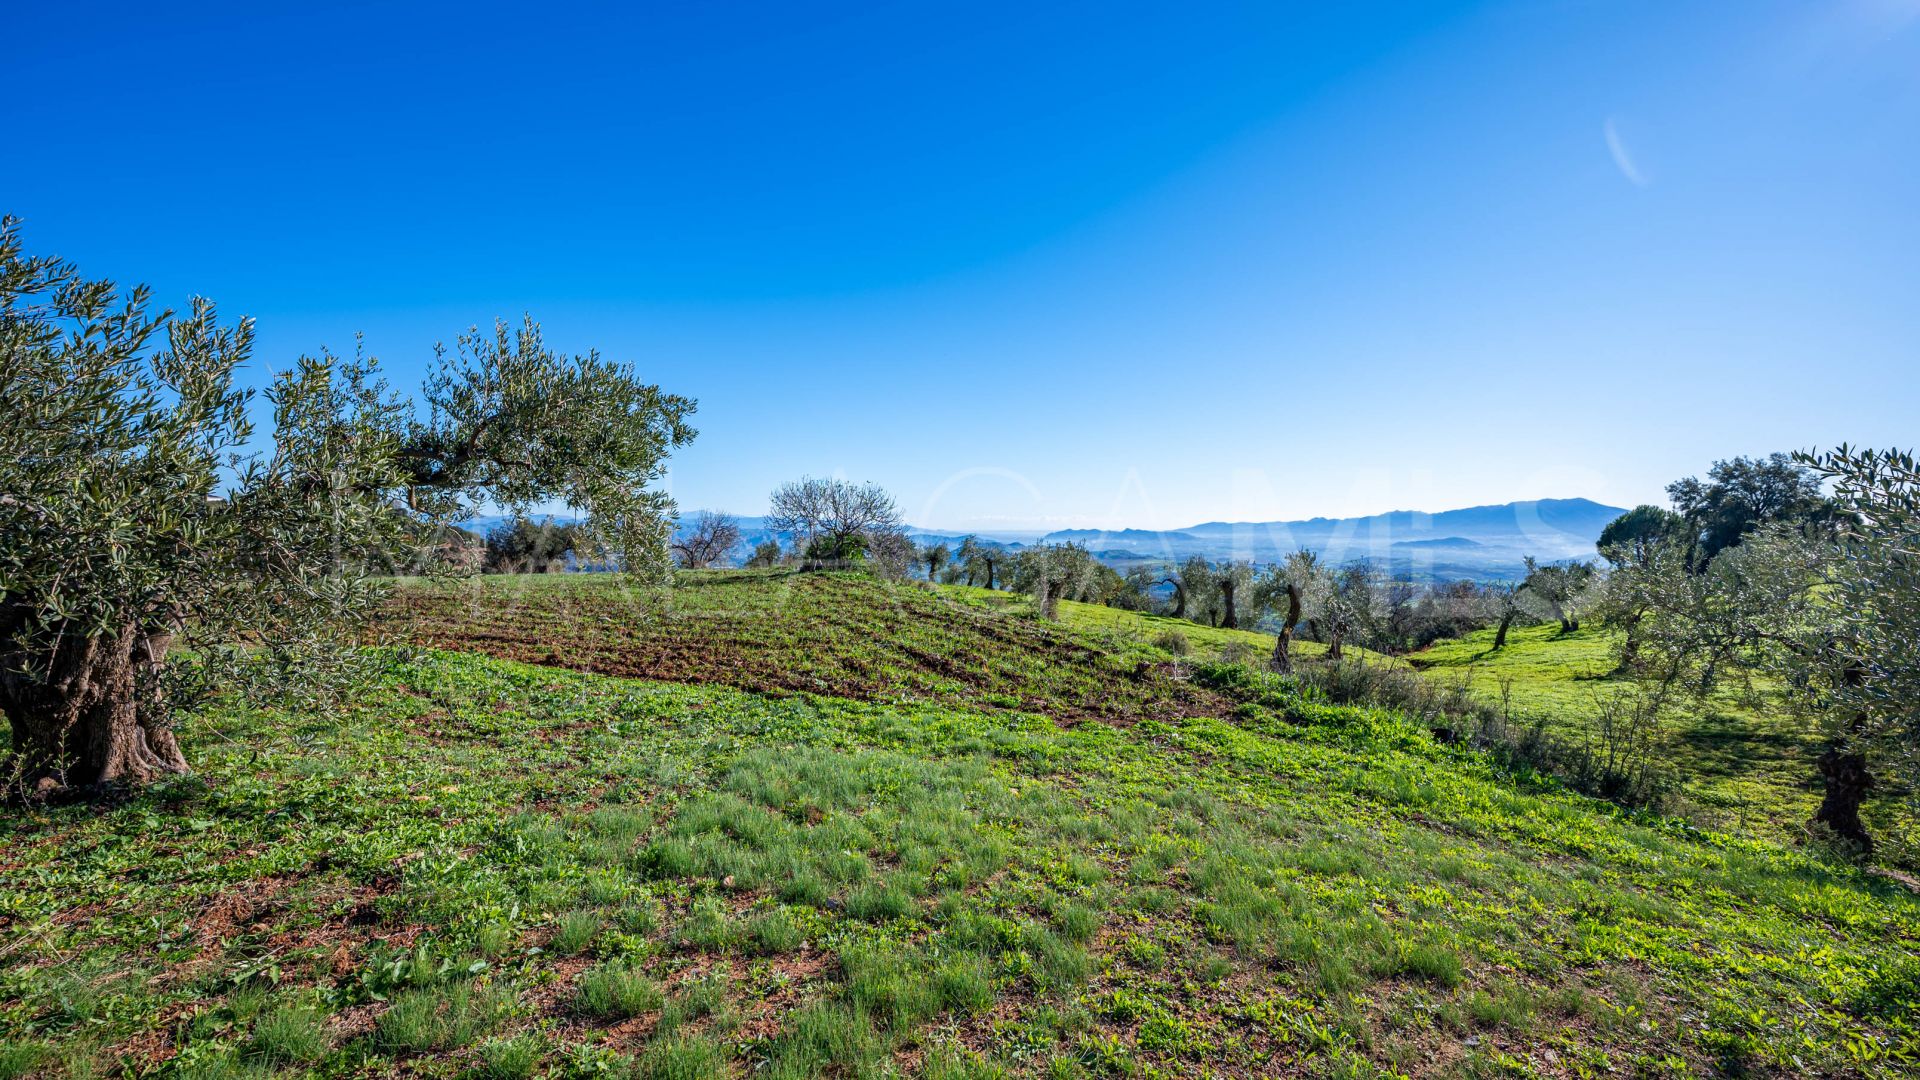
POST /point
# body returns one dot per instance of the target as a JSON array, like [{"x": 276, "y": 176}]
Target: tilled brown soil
[{"x": 832, "y": 634}]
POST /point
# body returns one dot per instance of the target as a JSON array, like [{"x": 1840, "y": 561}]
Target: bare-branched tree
[
  {"x": 833, "y": 521},
  {"x": 709, "y": 539},
  {"x": 890, "y": 553}
]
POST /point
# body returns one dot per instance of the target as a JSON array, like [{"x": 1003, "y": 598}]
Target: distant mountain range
[
  {"x": 1475, "y": 542},
  {"x": 1478, "y": 542},
  {"x": 1442, "y": 542}
]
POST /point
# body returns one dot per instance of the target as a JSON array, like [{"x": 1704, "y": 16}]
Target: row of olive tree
[
  {"x": 1304, "y": 596},
  {"x": 975, "y": 562},
  {"x": 155, "y": 548},
  {"x": 1299, "y": 596}
]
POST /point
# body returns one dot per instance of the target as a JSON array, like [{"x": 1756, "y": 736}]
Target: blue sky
[{"x": 1046, "y": 265}]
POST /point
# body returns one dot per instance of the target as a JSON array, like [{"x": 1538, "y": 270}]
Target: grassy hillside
[
  {"x": 484, "y": 867},
  {"x": 783, "y": 632},
  {"x": 1749, "y": 767},
  {"x": 1121, "y": 630}
]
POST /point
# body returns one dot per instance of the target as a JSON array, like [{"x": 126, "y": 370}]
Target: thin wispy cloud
[{"x": 1622, "y": 157}]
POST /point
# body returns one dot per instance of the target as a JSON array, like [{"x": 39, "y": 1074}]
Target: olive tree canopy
[
  {"x": 1055, "y": 572},
  {"x": 521, "y": 546},
  {"x": 140, "y": 511},
  {"x": 1827, "y": 609},
  {"x": 979, "y": 557}
]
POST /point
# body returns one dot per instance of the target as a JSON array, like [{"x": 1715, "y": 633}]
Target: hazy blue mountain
[
  {"x": 1123, "y": 539},
  {"x": 1476, "y": 541},
  {"x": 1442, "y": 542}
]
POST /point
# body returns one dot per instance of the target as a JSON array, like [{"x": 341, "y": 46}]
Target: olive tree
[
  {"x": 1234, "y": 580},
  {"x": 1055, "y": 572},
  {"x": 1758, "y": 609},
  {"x": 1136, "y": 589},
  {"x": 1196, "y": 591},
  {"x": 1179, "y": 602},
  {"x": 526, "y": 547},
  {"x": 1505, "y": 605},
  {"x": 1871, "y": 657},
  {"x": 1345, "y": 605},
  {"x": 1826, "y": 610},
  {"x": 979, "y": 557},
  {"x": 935, "y": 554},
  {"x": 1289, "y": 589},
  {"x": 154, "y": 548},
  {"x": 1562, "y": 591}
]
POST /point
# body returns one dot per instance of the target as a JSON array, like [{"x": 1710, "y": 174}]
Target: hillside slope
[
  {"x": 482, "y": 867},
  {"x": 1117, "y": 630},
  {"x": 779, "y": 631},
  {"x": 1743, "y": 762}
]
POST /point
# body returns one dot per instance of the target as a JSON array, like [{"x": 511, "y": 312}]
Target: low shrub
[{"x": 1173, "y": 641}]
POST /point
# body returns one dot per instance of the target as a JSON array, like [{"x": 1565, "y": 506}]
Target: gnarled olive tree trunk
[
  {"x": 1847, "y": 784},
  {"x": 84, "y": 717},
  {"x": 1283, "y": 644},
  {"x": 1179, "y": 596},
  {"x": 1050, "y": 595},
  {"x": 1500, "y": 635},
  {"x": 1847, "y": 780}
]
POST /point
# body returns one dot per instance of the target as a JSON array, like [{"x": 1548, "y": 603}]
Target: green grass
[
  {"x": 439, "y": 1018},
  {"x": 577, "y": 929},
  {"x": 681, "y": 1059},
  {"x": 617, "y": 990},
  {"x": 1286, "y": 888},
  {"x": 1129, "y": 632},
  {"x": 509, "y": 1059},
  {"x": 290, "y": 1033},
  {"x": 1744, "y": 765}
]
